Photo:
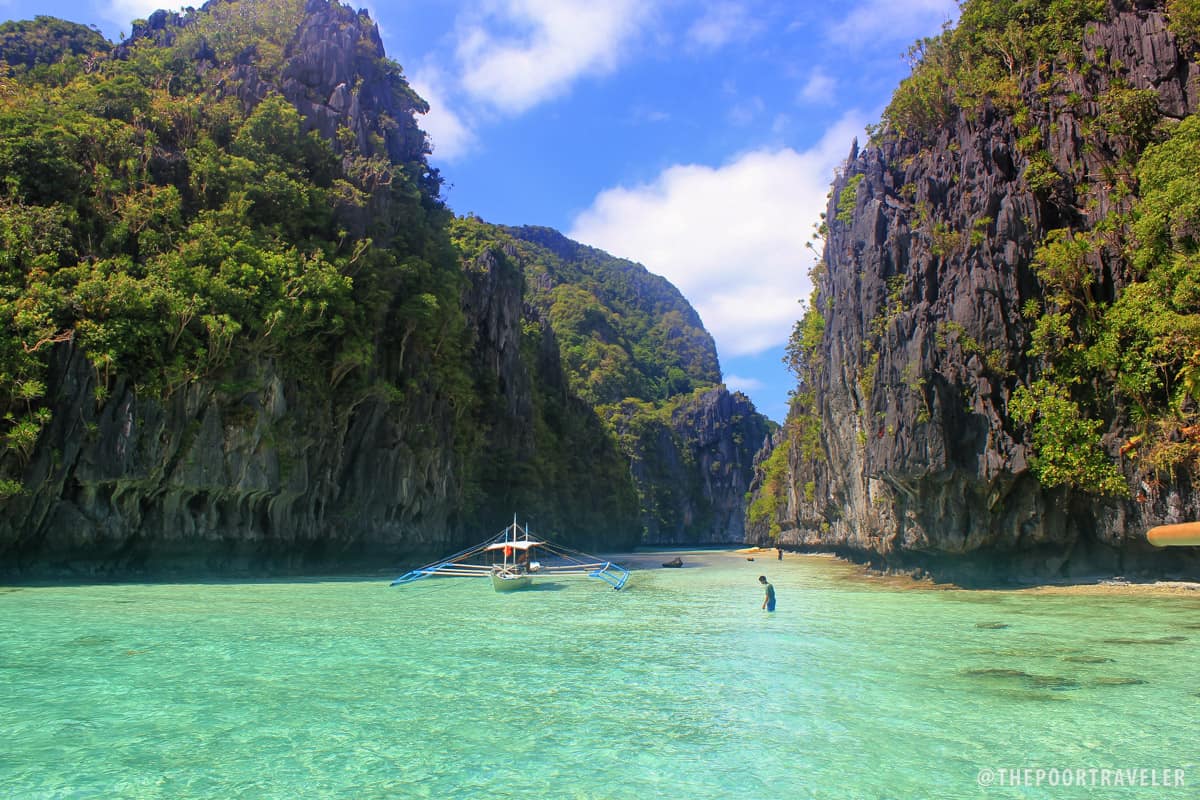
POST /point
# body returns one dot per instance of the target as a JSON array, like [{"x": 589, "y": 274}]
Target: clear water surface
[{"x": 678, "y": 687}]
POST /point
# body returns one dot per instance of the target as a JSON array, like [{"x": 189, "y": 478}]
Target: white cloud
[
  {"x": 550, "y": 44},
  {"x": 819, "y": 88},
  {"x": 738, "y": 383},
  {"x": 452, "y": 138},
  {"x": 732, "y": 238},
  {"x": 902, "y": 21},
  {"x": 721, "y": 24}
]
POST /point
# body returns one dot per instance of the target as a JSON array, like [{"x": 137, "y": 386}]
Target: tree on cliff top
[
  {"x": 171, "y": 226},
  {"x": 45, "y": 41},
  {"x": 983, "y": 59},
  {"x": 622, "y": 331}
]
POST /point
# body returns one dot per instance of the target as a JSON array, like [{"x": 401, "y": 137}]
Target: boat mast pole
[{"x": 513, "y": 538}]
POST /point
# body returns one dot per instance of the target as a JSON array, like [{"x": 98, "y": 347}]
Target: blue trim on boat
[
  {"x": 430, "y": 569},
  {"x": 417, "y": 574},
  {"x": 616, "y": 578}
]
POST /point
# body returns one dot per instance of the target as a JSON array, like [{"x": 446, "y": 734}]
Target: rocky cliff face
[
  {"x": 638, "y": 352},
  {"x": 261, "y": 479},
  {"x": 693, "y": 463},
  {"x": 258, "y": 469},
  {"x": 607, "y": 328},
  {"x": 542, "y": 452},
  {"x": 459, "y": 405},
  {"x": 901, "y": 448},
  {"x": 333, "y": 70}
]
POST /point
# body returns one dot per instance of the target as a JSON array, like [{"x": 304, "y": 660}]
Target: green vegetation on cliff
[
  {"x": 207, "y": 229},
  {"x": 1118, "y": 327},
  {"x": 764, "y": 508},
  {"x": 624, "y": 332},
  {"x": 47, "y": 46},
  {"x": 544, "y": 450},
  {"x": 1140, "y": 350},
  {"x": 801, "y": 433},
  {"x": 984, "y": 58},
  {"x": 170, "y": 230},
  {"x": 1184, "y": 18},
  {"x": 634, "y": 350}
]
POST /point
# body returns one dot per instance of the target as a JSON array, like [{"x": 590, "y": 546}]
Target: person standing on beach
[{"x": 769, "y": 600}]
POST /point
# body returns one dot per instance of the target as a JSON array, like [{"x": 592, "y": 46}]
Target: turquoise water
[{"x": 677, "y": 687}]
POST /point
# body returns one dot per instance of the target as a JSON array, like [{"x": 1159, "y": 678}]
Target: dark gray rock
[
  {"x": 256, "y": 470},
  {"x": 694, "y": 470},
  {"x": 925, "y": 342},
  {"x": 263, "y": 471},
  {"x": 270, "y": 478}
]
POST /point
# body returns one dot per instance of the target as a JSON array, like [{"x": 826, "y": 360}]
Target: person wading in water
[{"x": 769, "y": 600}]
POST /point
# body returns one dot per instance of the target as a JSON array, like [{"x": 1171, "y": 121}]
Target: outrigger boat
[{"x": 513, "y": 557}]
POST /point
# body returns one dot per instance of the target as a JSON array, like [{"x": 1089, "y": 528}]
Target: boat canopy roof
[{"x": 517, "y": 545}]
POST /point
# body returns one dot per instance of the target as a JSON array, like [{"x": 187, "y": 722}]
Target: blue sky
[{"x": 697, "y": 137}]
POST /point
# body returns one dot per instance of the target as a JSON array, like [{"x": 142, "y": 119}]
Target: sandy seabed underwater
[{"x": 678, "y": 686}]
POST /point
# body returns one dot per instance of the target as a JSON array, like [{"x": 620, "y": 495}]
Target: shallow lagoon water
[{"x": 678, "y": 686}]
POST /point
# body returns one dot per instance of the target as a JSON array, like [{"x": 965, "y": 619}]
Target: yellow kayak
[{"x": 1184, "y": 534}]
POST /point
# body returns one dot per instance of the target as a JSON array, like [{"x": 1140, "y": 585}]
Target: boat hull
[{"x": 510, "y": 583}]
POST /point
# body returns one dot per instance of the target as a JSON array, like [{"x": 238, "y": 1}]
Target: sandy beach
[{"x": 850, "y": 571}]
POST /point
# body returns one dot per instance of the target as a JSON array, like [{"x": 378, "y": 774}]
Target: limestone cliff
[
  {"x": 692, "y": 460},
  {"x": 540, "y": 448},
  {"x": 901, "y": 447},
  {"x": 415, "y": 437},
  {"x": 262, "y": 343},
  {"x": 651, "y": 369},
  {"x": 630, "y": 345}
]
